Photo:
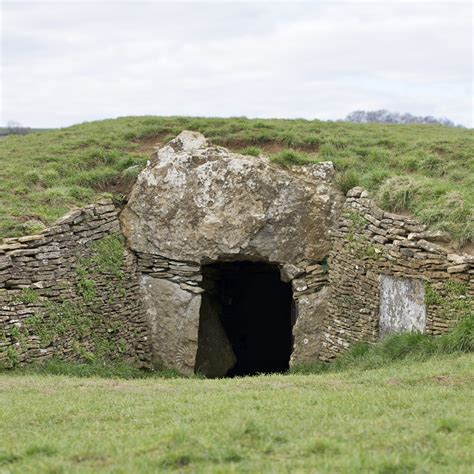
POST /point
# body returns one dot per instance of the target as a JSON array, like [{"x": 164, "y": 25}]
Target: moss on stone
[
  {"x": 74, "y": 319},
  {"x": 108, "y": 255},
  {"x": 28, "y": 295},
  {"x": 11, "y": 358},
  {"x": 453, "y": 299},
  {"x": 358, "y": 222}
]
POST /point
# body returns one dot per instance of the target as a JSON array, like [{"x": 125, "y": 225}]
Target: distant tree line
[
  {"x": 15, "y": 128},
  {"x": 385, "y": 116}
]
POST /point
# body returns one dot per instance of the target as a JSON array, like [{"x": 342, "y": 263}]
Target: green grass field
[
  {"x": 427, "y": 171},
  {"x": 406, "y": 417},
  {"x": 401, "y": 405}
]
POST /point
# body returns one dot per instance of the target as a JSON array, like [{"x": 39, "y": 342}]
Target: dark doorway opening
[{"x": 254, "y": 308}]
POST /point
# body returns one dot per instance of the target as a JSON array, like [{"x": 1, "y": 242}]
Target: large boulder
[{"x": 200, "y": 203}]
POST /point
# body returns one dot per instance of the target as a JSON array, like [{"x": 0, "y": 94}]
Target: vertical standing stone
[{"x": 173, "y": 317}]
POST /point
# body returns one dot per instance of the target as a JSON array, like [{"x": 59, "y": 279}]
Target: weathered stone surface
[
  {"x": 289, "y": 271},
  {"x": 459, "y": 259},
  {"x": 201, "y": 203},
  {"x": 5, "y": 261},
  {"x": 173, "y": 318},
  {"x": 215, "y": 356},
  {"x": 402, "y": 305},
  {"x": 431, "y": 235},
  {"x": 311, "y": 311},
  {"x": 355, "y": 192},
  {"x": 458, "y": 268},
  {"x": 70, "y": 217}
]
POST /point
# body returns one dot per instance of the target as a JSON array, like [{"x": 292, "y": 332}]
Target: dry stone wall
[
  {"x": 378, "y": 256},
  {"x": 72, "y": 292}
]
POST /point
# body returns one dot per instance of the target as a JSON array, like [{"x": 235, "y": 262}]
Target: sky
[{"x": 66, "y": 62}]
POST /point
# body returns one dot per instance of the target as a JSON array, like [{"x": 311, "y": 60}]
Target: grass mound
[
  {"x": 410, "y": 345},
  {"x": 426, "y": 170}
]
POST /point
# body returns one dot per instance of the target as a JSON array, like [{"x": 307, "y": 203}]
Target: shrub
[
  {"x": 348, "y": 180},
  {"x": 251, "y": 150},
  {"x": 290, "y": 158},
  {"x": 398, "y": 193},
  {"x": 460, "y": 339}
]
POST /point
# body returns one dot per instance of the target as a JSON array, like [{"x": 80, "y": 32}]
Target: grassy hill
[
  {"x": 427, "y": 171},
  {"x": 406, "y": 417}
]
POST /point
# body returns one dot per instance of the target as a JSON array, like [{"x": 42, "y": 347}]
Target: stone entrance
[
  {"x": 206, "y": 225},
  {"x": 254, "y": 309}
]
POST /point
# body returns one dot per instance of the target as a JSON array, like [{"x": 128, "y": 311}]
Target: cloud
[{"x": 69, "y": 62}]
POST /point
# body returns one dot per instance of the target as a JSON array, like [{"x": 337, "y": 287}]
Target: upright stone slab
[
  {"x": 173, "y": 317},
  {"x": 311, "y": 309},
  {"x": 215, "y": 356},
  {"x": 402, "y": 305}
]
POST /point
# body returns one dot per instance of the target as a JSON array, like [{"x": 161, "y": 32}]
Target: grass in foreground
[
  {"x": 408, "y": 417},
  {"x": 426, "y": 170},
  {"x": 409, "y": 413}
]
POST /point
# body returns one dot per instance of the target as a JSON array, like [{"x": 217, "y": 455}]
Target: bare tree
[{"x": 15, "y": 128}]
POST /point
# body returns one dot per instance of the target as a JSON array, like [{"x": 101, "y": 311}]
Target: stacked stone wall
[
  {"x": 72, "y": 292},
  {"x": 369, "y": 245},
  {"x": 186, "y": 274}
]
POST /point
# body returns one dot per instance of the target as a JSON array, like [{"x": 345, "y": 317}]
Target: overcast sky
[{"x": 65, "y": 62}]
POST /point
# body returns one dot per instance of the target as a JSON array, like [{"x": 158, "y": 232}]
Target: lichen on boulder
[{"x": 201, "y": 203}]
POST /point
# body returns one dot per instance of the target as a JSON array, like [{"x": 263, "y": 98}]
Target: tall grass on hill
[
  {"x": 291, "y": 158},
  {"x": 423, "y": 169}
]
